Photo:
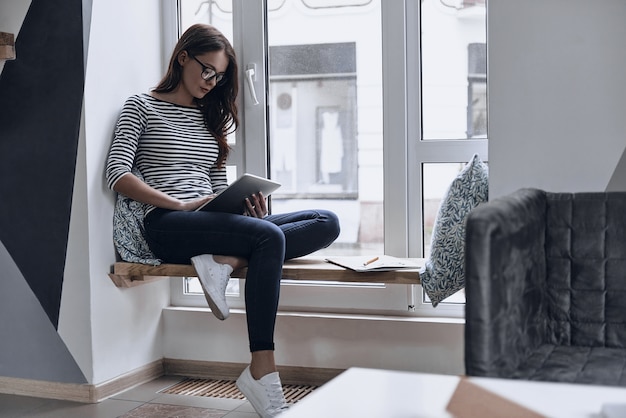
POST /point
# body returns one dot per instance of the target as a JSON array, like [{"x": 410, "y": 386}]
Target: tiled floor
[{"x": 144, "y": 401}]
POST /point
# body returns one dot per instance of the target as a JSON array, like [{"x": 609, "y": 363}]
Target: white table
[{"x": 375, "y": 393}]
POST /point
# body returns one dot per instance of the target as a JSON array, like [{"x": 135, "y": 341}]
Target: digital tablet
[{"x": 232, "y": 198}]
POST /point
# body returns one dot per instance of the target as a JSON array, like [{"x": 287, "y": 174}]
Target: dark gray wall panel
[
  {"x": 31, "y": 348},
  {"x": 41, "y": 96}
]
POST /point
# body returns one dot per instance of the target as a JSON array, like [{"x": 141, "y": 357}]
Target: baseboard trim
[
  {"x": 89, "y": 393},
  {"x": 48, "y": 390},
  {"x": 128, "y": 380},
  {"x": 289, "y": 375},
  {"x": 84, "y": 393}
]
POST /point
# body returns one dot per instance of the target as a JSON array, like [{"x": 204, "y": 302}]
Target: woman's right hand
[
  {"x": 131, "y": 186},
  {"x": 195, "y": 204}
]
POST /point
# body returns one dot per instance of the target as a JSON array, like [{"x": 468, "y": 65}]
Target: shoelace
[
  {"x": 276, "y": 397},
  {"x": 224, "y": 282}
]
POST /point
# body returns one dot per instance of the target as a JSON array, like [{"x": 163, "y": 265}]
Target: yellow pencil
[{"x": 370, "y": 261}]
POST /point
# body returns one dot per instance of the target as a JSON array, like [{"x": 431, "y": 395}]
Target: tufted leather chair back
[{"x": 586, "y": 268}]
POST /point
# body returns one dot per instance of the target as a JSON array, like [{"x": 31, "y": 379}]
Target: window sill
[
  {"x": 311, "y": 268},
  {"x": 343, "y": 316}
]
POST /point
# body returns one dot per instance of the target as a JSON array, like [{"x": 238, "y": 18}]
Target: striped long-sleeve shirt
[{"x": 171, "y": 147}]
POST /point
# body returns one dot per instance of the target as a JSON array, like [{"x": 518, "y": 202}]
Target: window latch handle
[{"x": 250, "y": 77}]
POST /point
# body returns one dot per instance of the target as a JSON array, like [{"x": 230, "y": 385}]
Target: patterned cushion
[
  {"x": 443, "y": 273},
  {"x": 128, "y": 230}
]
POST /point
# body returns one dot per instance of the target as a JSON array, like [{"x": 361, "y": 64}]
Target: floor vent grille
[{"x": 227, "y": 389}]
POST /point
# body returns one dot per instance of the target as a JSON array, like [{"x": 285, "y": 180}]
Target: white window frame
[{"x": 404, "y": 152}]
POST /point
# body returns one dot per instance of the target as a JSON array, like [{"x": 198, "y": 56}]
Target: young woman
[{"x": 169, "y": 154}]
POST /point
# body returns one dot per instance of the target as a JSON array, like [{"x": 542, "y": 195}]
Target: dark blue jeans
[{"x": 176, "y": 236}]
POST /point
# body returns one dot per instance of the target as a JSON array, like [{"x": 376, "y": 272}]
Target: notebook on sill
[
  {"x": 374, "y": 263},
  {"x": 232, "y": 199}
]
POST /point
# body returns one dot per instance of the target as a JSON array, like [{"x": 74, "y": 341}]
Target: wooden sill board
[
  {"x": 7, "y": 46},
  {"x": 306, "y": 268}
]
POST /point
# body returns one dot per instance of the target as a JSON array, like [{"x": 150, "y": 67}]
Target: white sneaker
[
  {"x": 213, "y": 278},
  {"x": 265, "y": 394}
]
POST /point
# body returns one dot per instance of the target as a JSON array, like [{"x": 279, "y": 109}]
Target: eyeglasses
[{"x": 209, "y": 73}]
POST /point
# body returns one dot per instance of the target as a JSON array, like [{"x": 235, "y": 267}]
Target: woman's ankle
[
  {"x": 235, "y": 262},
  {"x": 262, "y": 363}
]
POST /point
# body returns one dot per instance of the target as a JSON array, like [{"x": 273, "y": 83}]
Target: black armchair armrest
[{"x": 505, "y": 273}]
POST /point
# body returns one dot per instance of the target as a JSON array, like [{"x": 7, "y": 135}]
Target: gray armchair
[{"x": 546, "y": 287}]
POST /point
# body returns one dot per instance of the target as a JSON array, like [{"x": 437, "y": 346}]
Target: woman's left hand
[{"x": 256, "y": 206}]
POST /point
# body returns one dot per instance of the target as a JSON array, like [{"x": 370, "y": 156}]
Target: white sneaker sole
[
  {"x": 243, "y": 383},
  {"x": 213, "y": 297},
  {"x": 248, "y": 392}
]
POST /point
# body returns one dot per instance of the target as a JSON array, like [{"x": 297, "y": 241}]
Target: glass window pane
[
  {"x": 454, "y": 69},
  {"x": 325, "y": 105},
  {"x": 218, "y": 13}
]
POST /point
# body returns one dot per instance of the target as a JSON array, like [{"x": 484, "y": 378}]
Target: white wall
[
  {"x": 109, "y": 330},
  {"x": 321, "y": 341},
  {"x": 12, "y": 15},
  {"x": 557, "y": 87},
  {"x": 124, "y": 59}
]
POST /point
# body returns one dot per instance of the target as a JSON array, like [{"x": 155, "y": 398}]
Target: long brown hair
[{"x": 219, "y": 105}]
